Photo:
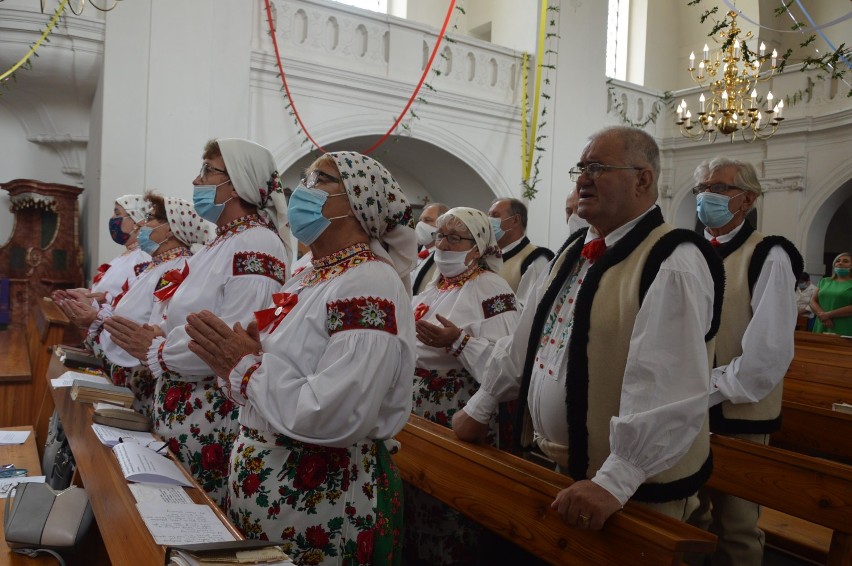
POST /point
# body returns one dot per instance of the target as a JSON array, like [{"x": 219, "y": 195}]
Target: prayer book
[
  {"x": 842, "y": 407},
  {"x": 91, "y": 392},
  {"x": 227, "y": 554},
  {"x": 76, "y": 357},
  {"x": 120, "y": 417},
  {"x": 142, "y": 464}
]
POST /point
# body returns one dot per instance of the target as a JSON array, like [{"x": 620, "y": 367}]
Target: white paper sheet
[
  {"x": 6, "y": 484},
  {"x": 14, "y": 436},
  {"x": 143, "y": 465},
  {"x": 110, "y": 435},
  {"x": 183, "y": 524},
  {"x": 154, "y": 493},
  {"x": 67, "y": 379}
]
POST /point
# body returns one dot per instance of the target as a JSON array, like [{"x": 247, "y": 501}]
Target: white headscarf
[
  {"x": 135, "y": 205},
  {"x": 185, "y": 223},
  {"x": 381, "y": 208},
  {"x": 254, "y": 176},
  {"x": 479, "y": 225}
]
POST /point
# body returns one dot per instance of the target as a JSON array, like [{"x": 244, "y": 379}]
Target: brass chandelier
[{"x": 731, "y": 78}]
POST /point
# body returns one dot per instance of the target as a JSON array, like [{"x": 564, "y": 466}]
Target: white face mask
[
  {"x": 451, "y": 263},
  {"x": 424, "y": 233}
]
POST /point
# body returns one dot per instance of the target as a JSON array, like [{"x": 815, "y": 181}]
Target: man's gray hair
[
  {"x": 745, "y": 178},
  {"x": 640, "y": 148}
]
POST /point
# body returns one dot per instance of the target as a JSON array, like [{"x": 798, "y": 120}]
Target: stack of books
[{"x": 92, "y": 392}]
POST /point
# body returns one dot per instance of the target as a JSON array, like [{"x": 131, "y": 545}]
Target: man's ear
[
  {"x": 644, "y": 181},
  {"x": 749, "y": 199}
]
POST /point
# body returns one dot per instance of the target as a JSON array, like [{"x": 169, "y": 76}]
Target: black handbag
[{"x": 41, "y": 519}]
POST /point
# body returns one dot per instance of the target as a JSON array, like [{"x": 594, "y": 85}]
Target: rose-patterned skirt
[
  {"x": 139, "y": 380},
  {"x": 199, "y": 423},
  {"x": 326, "y": 505}
]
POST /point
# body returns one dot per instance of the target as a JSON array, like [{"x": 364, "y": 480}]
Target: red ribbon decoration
[
  {"x": 102, "y": 269},
  {"x": 420, "y": 311},
  {"x": 173, "y": 279},
  {"x": 124, "y": 287},
  {"x": 424, "y": 253},
  {"x": 284, "y": 303},
  {"x": 594, "y": 249},
  {"x": 401, "y": 115}
]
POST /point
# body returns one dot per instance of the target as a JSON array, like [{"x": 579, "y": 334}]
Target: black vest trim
[
  {"x": 427, "y": 265},
  {"x": 761, "y": 251},
  {"x": 664, "y": 248},
  {"x": 726, "y": 249},
  {"x": 720, "y": 425},
  {"x": 534, "y": 255},
  {"x": 516, "y": 250},
  {"x": 678, "y": 489}
]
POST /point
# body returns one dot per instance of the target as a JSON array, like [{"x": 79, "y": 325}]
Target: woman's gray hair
[{"x": 745, "y": 177}]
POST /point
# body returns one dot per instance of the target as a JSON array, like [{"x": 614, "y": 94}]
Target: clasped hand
[
  {"x": 133, "y": 337},
  {"x": 217, "y": 344},
  {"x": 437, "y": 336}
]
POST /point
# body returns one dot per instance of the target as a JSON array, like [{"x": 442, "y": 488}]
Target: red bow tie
[
  {"x": 284, "y": 303},
  {"x": 715, "y": 243},
  {"x": 102, "y": 269},
  {"x": 170, "y": 282},
  {"x": 594, "y": 249},
  {"x": 420, "y": 311},
  {"x": 423, "y": 254}
]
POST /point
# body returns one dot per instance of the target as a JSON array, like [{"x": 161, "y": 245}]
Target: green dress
[{"x": 834, "y": 294}]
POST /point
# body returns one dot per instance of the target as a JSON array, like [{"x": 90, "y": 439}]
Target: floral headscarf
[
  {"x": 135, "y": 205},
  {"x": 185, "y": 223},
  {"x": 480, "y": 227},
  {"x": 381, "y": 208},
  {"x": 252, "y": 170}
]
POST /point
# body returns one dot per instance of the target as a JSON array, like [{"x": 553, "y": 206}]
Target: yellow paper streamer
[
  {"x": 32, "y": 51},
  {"x": 529, "y": 146}
]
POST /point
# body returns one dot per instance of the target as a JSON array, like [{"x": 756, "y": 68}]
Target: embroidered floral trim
[
  {"x": 139, "y": 268},
  {"x": 420, "y": 311},
  {"x": 160, "y": 359},
  {"x": 499, "y": 304},
  {"x": 169, "y": 255},
  {"x": 458, "y": 351},
  {"x": 246, "y": 378},
  {"x": 257, "y": 263},
  {"x": 334, "y": 265},
  {"x": 370, "y": 313},
  {"x": 238, "y": 226},
  {"x": 447, "y": 283}
]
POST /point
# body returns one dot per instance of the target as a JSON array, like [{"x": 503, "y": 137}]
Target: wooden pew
[
  {"x": 821, "y": 371},
  {"x": 512, "y": 497},
  {"x": 15, "y": 378},
  {"x": 815, "y": 431},
  {"x": 809, "y": 489}
]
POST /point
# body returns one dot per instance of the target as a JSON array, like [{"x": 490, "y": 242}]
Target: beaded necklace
[
  {"x": 237, "y": 226},
  {"x": 335, "y": 264},
  {"x": 447, "y": 283},
  {"x": 168, "y": 255}
]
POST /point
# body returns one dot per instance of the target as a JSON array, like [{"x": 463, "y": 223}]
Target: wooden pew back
[{"x": 512, "y": 497}]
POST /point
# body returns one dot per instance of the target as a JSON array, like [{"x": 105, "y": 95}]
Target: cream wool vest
[
  {"x": 511, "y": 270},
  {"x": 607, "y": 305}
]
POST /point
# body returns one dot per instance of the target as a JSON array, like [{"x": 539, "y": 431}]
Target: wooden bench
[
  {"x": 815, "y": 431},
  {"x": 14, "y": 360},
  {"x": 512, "y": 497},
  {"x": 807, "y": 489}
]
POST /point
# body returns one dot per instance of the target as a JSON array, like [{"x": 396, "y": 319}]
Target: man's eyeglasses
[
  {"x": 451, "y": 238},
  {"x": 715, "y": 188},
  {"x": 316, "y": 177},
  {"x": 207, "y": 169},
  {"x": 594, "y": 170}
]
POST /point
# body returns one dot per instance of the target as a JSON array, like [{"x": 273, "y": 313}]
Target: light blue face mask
[
  {"x": 841, "y": 271},
  {"x": 713, "y": 209},
  {"x": 304, "y": 212},
  {"x": 203, "y": 197},
  {"x": 497, "y": 227},
  {"x": 148, "y": 245}
]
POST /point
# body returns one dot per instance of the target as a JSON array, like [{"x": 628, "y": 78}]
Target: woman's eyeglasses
[
  {"x": 451, "y": 238},
  {"x": 317, "y": 177},
  {"x": 207, "y": 169}
]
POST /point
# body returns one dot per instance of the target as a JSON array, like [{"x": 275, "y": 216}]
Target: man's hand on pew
[
  {"x": 133, "y": 337},
  {"x": 469, "y": 429},
  {"x": 586, "y": 505}
]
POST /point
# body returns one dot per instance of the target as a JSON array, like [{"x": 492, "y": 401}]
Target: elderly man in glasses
[
  {"x": 754, "y": 345},
  {"x": 613, "y": 349}
]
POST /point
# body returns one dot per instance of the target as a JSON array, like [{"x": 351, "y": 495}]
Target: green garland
[{"x": 666, "y": 100}]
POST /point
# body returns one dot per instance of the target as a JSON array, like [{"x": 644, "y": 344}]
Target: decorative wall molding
[{"x": 71, "y": 150}]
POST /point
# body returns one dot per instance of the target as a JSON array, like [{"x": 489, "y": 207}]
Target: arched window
[{"x": 616, "y": 39}]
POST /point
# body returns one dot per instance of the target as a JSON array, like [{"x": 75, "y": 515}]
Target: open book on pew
[
  {"x": 227, "y": 553},
  {"x": 144, "y": 465},
  {"x": 842, "y": 407}
]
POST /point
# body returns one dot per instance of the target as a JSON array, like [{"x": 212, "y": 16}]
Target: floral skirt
[
  {"x": 326, "y": 505},
  {"x": 199, "y": 423},
  {"x": 139, "y": 380}
]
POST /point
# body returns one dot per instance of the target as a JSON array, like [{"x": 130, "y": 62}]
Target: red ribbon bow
[
  {"x": 594, "y": 249},
  {"x": 102, "y": 269},
  {"x": 420, "y": 311},
  {"x": 172, "y": 280},
  {"x": 423, "y": 254},
  {"x": 284, "y": 303},
  {"x": 124, "y": 287},
  {"x": 715, "y": 243}
]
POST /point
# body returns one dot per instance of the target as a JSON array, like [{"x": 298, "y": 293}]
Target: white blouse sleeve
[
  {"x": 339, "y": 403},
  {"x": 666, "y": 380},
  {"x": 475, "y": 353}
]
